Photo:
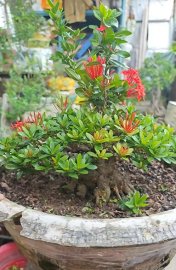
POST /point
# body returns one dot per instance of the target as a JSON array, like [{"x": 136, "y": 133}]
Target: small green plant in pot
[{"x": 88, "y": 144}]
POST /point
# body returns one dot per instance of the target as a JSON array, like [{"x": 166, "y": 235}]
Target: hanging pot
[{"x": 11, "y": 256}]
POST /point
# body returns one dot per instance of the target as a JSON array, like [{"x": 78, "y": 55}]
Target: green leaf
[
  {"x": 84, "y": 172},
  {"x": 73, "y": 175},
  {"x": 97, "y": 14},
  {"x": 123, "y": 54},
  {"x": 92, "y": 167},
  {"x": 103, "y": 10},
  {"x": 79, "y": 91},
  {"x": 25, "y": 132},
  {"x": 72, "y": 74},
  {"x": 92, "y": 154},
  {"x": 116, "y": 63},
  {"x": 55, "y": 8},
  {"x": 89, "y": 136},
  {"x": 11, "y": 166},
  {"x": 109, "y": 36},
  {"x": 50, "y": 2},
  {"x": 120, "y": 41},
  {"x": 39, "y": 167},
  {"x": 79, "y": 160},
  {"x": 123, "y": 33}
]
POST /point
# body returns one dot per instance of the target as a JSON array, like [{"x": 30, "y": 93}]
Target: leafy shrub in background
[
  {"x": 157, "y": 75},
  {"x": 25, "y": 19},
  {"x": 173, "y": 47},
  {"x": 6, "y": 52},
  {"x": 24, "y": 93}
]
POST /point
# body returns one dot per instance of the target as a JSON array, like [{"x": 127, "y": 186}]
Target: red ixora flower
[
  {"x": 129, "y": 124},
  {"x": 95, "y": 70},
  {"x": 65, "y": 104},
  {"x": 35, "y": 118},
  {"x": 102, "y": 28},
  {"x": 18, "y": 125},
  {"x": 136, "y": 88}
]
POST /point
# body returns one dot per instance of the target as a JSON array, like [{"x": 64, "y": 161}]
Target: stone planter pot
[
  {"x": 144, "y": 106},
  {"x": 70, "y": 243},
  {"x": 170, "y": 117}
]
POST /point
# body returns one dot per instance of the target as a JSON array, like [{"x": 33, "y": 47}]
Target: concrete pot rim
[{"x": 81, "y": 232}]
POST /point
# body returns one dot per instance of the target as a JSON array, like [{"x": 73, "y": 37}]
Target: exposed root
[
  {"x": 116, "y": 183},
  {"x": 102, "y": 192},
  {"x": 104, "y": 182},
  {"x": 81, "y": 191},
  {"x": 122, "y": 190}
]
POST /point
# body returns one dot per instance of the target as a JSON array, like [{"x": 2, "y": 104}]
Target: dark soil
[{"x": 53, "y": 194}]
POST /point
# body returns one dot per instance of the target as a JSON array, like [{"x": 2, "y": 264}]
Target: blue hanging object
[{"x": 85, "y": 46}]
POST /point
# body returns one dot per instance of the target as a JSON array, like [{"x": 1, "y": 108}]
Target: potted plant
[
  {"x": 79, "y": 167},
  {"x": 11, "y": 259}
]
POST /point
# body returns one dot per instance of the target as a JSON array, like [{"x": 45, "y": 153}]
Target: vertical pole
[
  {"x": 4, "y": 109},
  {"x": 123, "y": 16}
]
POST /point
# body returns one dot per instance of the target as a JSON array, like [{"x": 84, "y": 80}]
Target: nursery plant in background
[
  {"x": 173, "y": 47},
  {"x": 25, "y": 25},
  {"x": 92, "y": 162},
  {"x": 157, "y": 74},
  {"x": 6, "y": 51},
  {"x": 24, "y": 93},
  {"x": 26, "y": 21}
]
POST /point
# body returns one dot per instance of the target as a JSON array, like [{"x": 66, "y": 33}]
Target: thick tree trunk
[
  {"x": 156, "y": 99},
  {"x": 105, "y": 181}
]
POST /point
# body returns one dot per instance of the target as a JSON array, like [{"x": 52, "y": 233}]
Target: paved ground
[{"x": 172, "y": 265}]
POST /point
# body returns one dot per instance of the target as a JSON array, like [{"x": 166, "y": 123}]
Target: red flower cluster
[
  {"x": 35, "y": 118},
  {"x": 102, "y": 28},
  {"x": 129, "y": 124},
  {"x": 136, "y": 88},
  {"x": 94, "y": 67},
  {"x": 65, "y": 104},
  {"x": 18, "y": 126}
]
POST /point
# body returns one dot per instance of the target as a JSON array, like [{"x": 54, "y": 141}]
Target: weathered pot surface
[{"x": 58, "y": 242}]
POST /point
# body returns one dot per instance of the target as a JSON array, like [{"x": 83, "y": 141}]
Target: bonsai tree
[
  {"x": 87, "y": 145},
  {"x": 157, "y": 74}
]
